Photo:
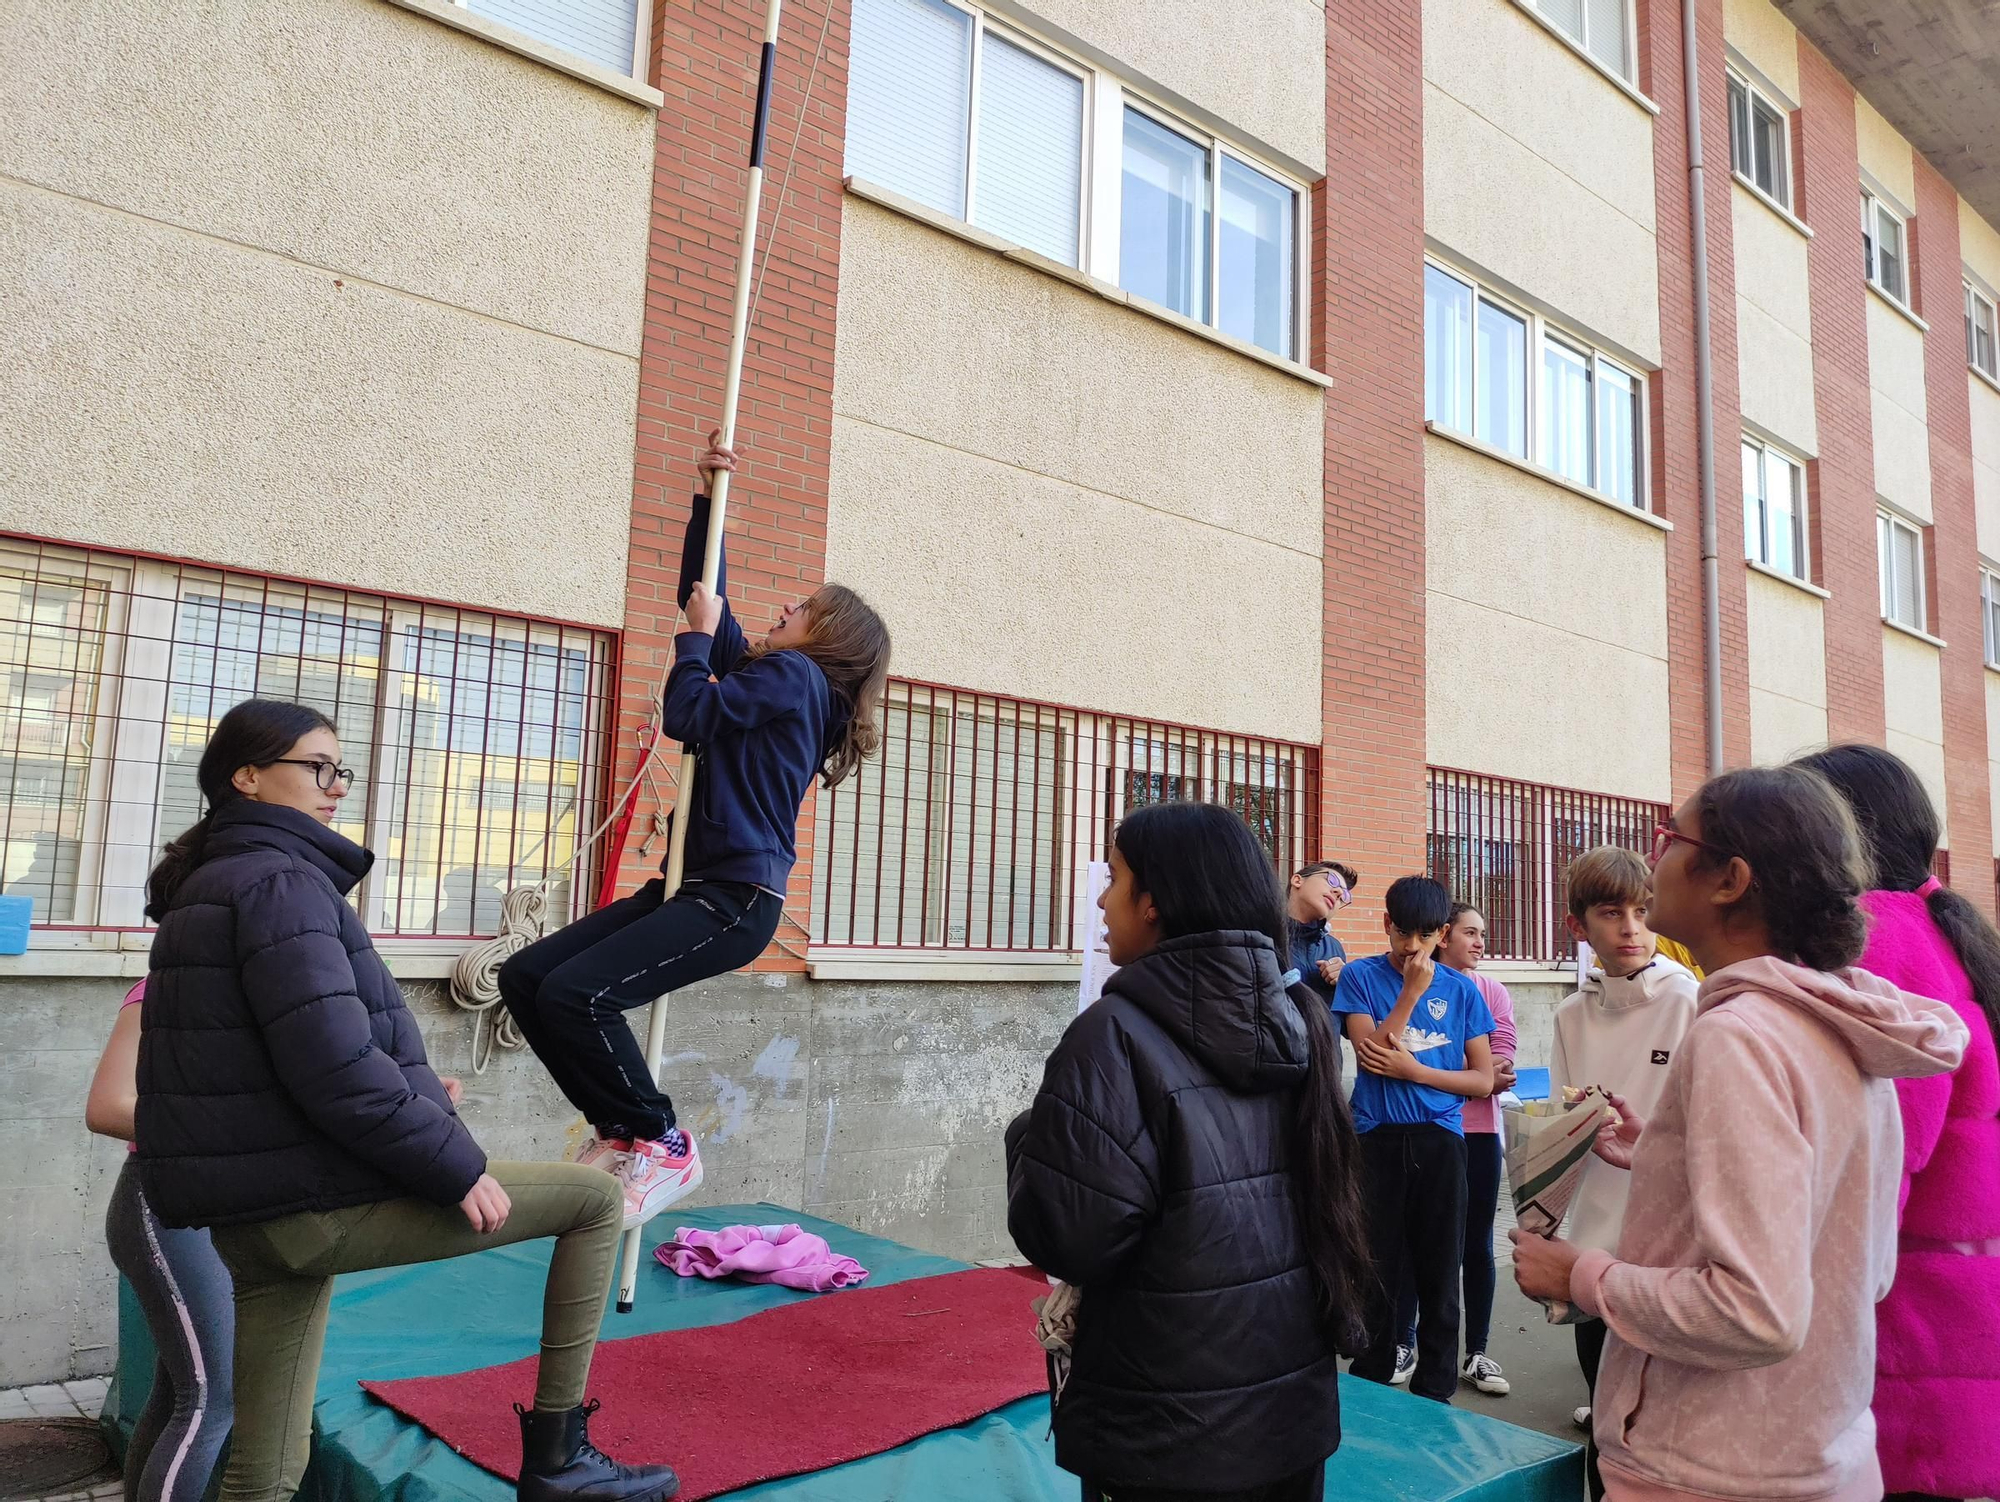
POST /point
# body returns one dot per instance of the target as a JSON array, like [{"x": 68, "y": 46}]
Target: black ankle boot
[{"x": 560, "y": 1464}]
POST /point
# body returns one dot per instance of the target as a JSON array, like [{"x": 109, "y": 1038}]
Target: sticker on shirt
[
  {"x": 1659, "y": 1056},
  {"x": 1416, "y": 1040}
]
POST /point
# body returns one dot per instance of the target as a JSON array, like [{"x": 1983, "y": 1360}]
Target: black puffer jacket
[
  {"x": 279, "y": 1069},
  {"x": 1153, "y": 1172}
]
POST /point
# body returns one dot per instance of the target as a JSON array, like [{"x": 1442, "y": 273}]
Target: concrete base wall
[{"x": 877, "y": 1105}]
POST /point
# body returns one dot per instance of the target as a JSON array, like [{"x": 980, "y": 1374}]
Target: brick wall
[
  {"x": 1675, "y": 450},
  {"x": 1841, "y": 481},
  {"x": 705, "y": 62},
  {"x": 1953, "y": 544},
  {"x": 1368, "y": 335}
]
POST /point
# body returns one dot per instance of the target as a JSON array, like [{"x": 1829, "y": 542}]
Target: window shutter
[
  {"x": 1030, "y": 180},
  {"x": 600, "y": 30},
  {"x": 1605, "y": 39},
  {"x": 909, "y": 98}
]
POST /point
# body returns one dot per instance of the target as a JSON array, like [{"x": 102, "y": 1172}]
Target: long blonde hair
[{"x": 850, "y": 643}]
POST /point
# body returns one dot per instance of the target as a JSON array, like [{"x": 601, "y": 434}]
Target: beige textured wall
[
  {"x": 1273, "y": 91},
  {"x": 1979, "y": 244},
  {"x": 1053, "y": 496},
  {"x": 1512, "y": 184},
  {"x": 1914, "y": 708},
  {"x": 1787, "y": 633},
  {"x": 1532, "y": 658},
  {"x": 1773, "y": 324},
  {"x": 1759, "y": 30},
  {"x": 1885, "y": 155},
  {"x": 279, "y": 260},
  {"x": 1986, "y": 463},
  {"x": 1898, "y": 405}
]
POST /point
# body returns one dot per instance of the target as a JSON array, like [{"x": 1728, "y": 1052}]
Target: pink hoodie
[
  {"x": 1760, "y": 1233},
  {"x": 1938, "y": 1333}
]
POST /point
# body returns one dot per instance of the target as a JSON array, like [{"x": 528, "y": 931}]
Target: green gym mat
[{"x": 483, "y": 1310}]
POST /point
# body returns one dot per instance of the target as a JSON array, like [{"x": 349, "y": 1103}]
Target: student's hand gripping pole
[{"x": 718, "y": 506}]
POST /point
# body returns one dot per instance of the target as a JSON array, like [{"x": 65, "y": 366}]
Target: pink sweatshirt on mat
[
  {"x": 1760, "y": 1232},
  {"x": 1937, "y": 1359}
]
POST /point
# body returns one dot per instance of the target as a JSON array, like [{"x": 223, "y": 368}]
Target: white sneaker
[
  {"x": 655, "y": 1178},
  {"x": 607, "y": 1153},
  {"x": 1406, "y": 1366},
  {"x": 1483, "y": 1372},
  {"x": 1581, "y": 1418}
]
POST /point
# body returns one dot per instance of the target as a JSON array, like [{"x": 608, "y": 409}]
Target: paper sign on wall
[{"x": 1089, "y": 927}]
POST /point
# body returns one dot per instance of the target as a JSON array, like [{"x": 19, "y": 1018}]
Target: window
[
  {"x": 1506, "y": 847},
  {"x": 476, "y": 739},
  {"x": 1477, "y": 380},
  {"x": 983, "y": 123},
  {"x": 1989, "y": 610},
  {"x": 1600, "y": 27},
  {"x": 1979, "y": 324},
  {"x": 609, "y": 33},
  {"x": 1774, "y": 509},
  {"x": 1759, "y": 140},
  {"x": 1900, "y": 547},
  {"x": 973, "y": 828},
  {"x": 1882, "y": 248}
]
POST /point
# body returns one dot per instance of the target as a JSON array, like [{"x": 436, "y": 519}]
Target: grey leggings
[{"x": 190, "y": 1308}]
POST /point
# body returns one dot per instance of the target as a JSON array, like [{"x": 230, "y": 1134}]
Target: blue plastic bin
[{"x": 16, "y": 913}]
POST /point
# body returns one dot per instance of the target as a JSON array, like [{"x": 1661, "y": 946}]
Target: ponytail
[
  {"x": 176, "y": 865},
  {"x": 1328, "y": 1157},
  {"x": 255, "y": 733}
]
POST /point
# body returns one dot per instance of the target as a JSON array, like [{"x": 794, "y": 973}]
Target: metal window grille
[
  {"x": 972, "y": 828},
  {"x": 477, "y": 740},
  {"x": 1506, "y": 846}
]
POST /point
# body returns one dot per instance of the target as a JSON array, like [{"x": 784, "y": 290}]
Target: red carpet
[{"x": 790, "y": 1390}]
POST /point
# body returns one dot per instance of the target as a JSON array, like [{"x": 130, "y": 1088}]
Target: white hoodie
[{"x": 1621, "y": 1033}]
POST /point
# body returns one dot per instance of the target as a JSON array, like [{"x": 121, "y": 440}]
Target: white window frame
[
  {"x": 1541, "y": 329},
  {"x": 1976, "y": 297},
  {"x": 1989, "y": 602},
  {"x": 1804, "y": 550},
  {"x": 1099, "y": 216},
  {"x": 1755, "y": 95},
  {"x": 1887, "y": 524},
  {"x": 1873, "y": 207},
  {"x": 1581, "y": 40}
]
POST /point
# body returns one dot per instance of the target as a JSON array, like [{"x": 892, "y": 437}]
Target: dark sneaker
[
  {"x": 1483, "y": 1372},
  {"x": 1406, "y": 1366}
]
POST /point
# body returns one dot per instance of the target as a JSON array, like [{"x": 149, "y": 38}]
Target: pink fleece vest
[{"x": 1938, "y": 1332}]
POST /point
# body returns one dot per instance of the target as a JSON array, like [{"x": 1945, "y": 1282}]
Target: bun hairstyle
[
  {"x": 1805, "y": 856},
  {"x": 255, "y": 733},
  {"x": 1899, "y": 831},
  {"x": 1205, "y": 871}
]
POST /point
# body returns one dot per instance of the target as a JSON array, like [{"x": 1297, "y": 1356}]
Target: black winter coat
[
  {"x": 279, "y": 1069},
  {"x": 1153, "y": 1172}
]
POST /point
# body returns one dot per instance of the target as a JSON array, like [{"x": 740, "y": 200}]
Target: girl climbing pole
[{"x": 766, "y": 720}]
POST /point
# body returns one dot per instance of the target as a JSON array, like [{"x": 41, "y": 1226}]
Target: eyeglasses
[
  {"x": 1665, "y": 836},
  {"x": 1341, "y": 896},
  {"x": 326, "y": 773}
]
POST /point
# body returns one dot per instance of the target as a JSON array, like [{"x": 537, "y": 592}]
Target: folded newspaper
[{"x": 1548, "y": 1144}]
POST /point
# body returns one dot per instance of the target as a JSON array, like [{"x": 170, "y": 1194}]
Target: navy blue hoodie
[{"x": 762, "y": 727}]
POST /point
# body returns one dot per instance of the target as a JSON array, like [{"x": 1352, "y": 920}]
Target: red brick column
[
  {"x": 705, "y": 62},
  {"x": 1368, "y": 335},
  {"x": 1841, "y": 481},
  {"x": 1675, "y": 449},
  {"x": 1954, "y": 550}
]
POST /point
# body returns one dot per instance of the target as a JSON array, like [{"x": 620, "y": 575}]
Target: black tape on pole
[{"x": 763, "y": 105}]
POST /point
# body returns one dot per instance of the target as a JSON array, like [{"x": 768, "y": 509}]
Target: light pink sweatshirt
[{"x": 1760, "y": 1232}]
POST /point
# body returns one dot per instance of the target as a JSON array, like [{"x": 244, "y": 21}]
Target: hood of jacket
[
  {"x": 1891, "y": 1034},
  {"x": 1615, "y": 993},
  {"x": 243, "y": 824},
  {"x": 1222, "y": 997}
]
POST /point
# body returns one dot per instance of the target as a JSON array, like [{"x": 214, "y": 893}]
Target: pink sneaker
[
  {"x": 607, "y": 1153},
  {"x": 655, "y": 1177}
]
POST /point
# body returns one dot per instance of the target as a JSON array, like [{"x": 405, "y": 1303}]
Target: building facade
[{"x": 1294, "y": 404}]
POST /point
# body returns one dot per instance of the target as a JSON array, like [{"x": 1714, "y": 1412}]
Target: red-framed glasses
[{"x": 1664, "y": 838}]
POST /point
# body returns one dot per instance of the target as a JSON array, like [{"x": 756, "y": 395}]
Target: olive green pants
[{"x": 284, "y": 1271}]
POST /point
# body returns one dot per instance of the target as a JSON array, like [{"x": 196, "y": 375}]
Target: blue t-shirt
[{"x": 1449, "y": 1014}]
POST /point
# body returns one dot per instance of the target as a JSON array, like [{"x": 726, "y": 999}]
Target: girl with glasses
[{"x": 1761, "y": 1225}]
